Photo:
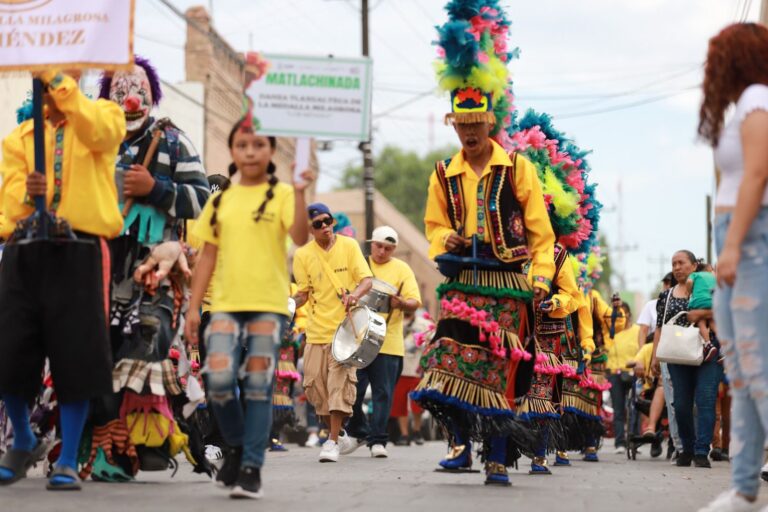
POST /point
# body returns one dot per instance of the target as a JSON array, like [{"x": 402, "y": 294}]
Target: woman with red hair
[{"x": 737, "y": 73}]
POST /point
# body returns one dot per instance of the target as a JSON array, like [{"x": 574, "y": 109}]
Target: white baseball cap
[{"x": 384, "y": 235}]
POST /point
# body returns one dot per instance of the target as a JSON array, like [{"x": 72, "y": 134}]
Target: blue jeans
[
  {"x": 669, "y": 398},
  {"x": 741, "y": 315},
  {"x": 619, "y": 392},
  {"x": 695, "y": 384},
  {"x": 382, "y": 374},
  {"x": 231, "y": 335}
]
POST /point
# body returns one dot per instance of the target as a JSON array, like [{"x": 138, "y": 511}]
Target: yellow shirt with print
[
  {"x": 623, "y": 349},
  {"x": 397, "y": 273},
  {"x": 251, "y": 272},
  {"x": 604, "y": 311},
  {"x": 541, "y": 238},
  {"x": 324, "y": 308},
  {"x": 92, "y": 133}
]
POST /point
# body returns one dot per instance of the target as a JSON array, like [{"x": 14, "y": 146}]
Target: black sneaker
[
  {"x": 227, "y": 474},
  {"x": 683, "y": 460},
  {"x": 248, "y": 485},
  {"x": 701, "y": 461},
  {"x": 656, "y": 449},
  {"x": 718, "y": 455},
  {"x": 403, "y": 441},
  {"x": 418, "y": 440}
]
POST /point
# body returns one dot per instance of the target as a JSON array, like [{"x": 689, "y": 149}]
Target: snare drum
[
  {"x": 378, "y": 299},
  {"x": 358, "y": 349}
]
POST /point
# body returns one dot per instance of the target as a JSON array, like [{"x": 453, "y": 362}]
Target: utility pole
[{"x": 365, "y": 147}]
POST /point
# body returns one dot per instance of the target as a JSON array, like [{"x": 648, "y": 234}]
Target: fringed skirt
[
  {"x": 474, "y": 355},
  {"x": 540, "y": 407},
  {"x": 582, "y": 401}
]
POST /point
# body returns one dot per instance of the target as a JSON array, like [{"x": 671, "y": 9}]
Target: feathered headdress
[{"x": 472, "y": 62}]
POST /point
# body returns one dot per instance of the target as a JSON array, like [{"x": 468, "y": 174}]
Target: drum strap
[{"x": 340, "y": 290}]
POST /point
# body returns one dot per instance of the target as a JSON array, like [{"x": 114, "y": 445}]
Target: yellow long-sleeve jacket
[
  {"x": 92, "y": 136},
  {"x": 586, "y": 332},
  {"x": 541, "y": 239},
  {"x": 568, "y": 298}
]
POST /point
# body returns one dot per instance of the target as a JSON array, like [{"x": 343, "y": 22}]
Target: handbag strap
[
  {"x": 666, "y": 305},
  {"x": 340, "y": 290}
]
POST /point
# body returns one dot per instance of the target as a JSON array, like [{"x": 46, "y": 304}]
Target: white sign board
[
  {"x": 39, "y": 34},
  {"x": 320, "y": 97}
]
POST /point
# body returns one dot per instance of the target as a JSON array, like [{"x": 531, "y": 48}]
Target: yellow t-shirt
[
  {"x": 623, "y": 349},
  {"x": 397, "y": 273},
  {"x": 324, "y": 309},
  {"x": 251, "y": 271}
]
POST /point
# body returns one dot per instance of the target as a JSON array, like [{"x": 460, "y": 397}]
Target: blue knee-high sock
[
  {"x": 23, "y": 437},
  {"x": 73, "y": 416},
  {"x": 18, "y": 413}
]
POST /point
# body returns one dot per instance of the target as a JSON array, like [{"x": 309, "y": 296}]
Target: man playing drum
[
  {"x": 326, "y": 269},
  {"x": 384, "y": 371}
]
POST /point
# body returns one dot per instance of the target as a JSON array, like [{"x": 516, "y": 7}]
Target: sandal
[
  {"x": 67, "y": 472},
  {"x": 19, "y": 462}
]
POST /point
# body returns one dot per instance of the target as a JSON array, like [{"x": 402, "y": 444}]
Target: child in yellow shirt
[{"x": 244, "y": 230}]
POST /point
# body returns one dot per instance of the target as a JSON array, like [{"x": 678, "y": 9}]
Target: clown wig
[{"x": 105, "y": 83}]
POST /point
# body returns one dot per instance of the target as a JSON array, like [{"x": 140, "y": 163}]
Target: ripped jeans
[
  {"x": 741, "y": 315},
  {"x": 243, "y": 347}
]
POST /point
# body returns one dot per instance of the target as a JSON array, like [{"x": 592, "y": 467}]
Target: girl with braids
[{"x": 244, "y": 229}]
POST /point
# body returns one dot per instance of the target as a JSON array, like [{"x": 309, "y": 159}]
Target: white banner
[
  {"x": 39, "y": 34},
  {"x": 320, "y": 97}
]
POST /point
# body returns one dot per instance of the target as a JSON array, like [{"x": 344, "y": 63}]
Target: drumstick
[
  {"x": 352, "y": 323},
  {"x": 147, "y": 160}
]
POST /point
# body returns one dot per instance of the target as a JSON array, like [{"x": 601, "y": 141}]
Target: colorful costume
[
  {"x": 286, "y": 376},
  {"x": 145, "y": 315},
  {"x": 471, "y": 365}
]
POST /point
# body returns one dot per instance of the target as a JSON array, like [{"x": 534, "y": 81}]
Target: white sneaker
[
  {"x": 764, "y": 472},
  {"x": 729, "y": 501},
  {"x": 348, "y": 444},
  {"x": 330, "y": 452},
  {"x": 313, "y": 440},
  {"x": 378, "y": 451}
]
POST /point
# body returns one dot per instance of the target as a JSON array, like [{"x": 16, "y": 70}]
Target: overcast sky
[{"x": 586, "y": 63}]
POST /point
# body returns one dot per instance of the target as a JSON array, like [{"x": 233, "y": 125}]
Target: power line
[
  {"x": 403, "y": 104},
  {"x": 625, "y": 106},
  {"x": 158, "y": 41}
]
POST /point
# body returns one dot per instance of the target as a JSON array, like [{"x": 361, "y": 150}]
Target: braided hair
[{"x": 232, "y": 169}]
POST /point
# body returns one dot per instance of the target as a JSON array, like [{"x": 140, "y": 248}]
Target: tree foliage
[{"x": 402, "y": 177}]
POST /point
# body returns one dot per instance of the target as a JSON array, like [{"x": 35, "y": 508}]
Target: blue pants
[
  {"x": 695, "y": 384},
  {"x": 229, "y": 334},
  {"x": 382, "y": 374},
  {"x": 619, "y": 392},
  {"x": 741, "y": 315}
]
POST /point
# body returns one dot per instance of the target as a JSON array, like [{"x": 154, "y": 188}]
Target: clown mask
[{"x": 131, "y": 90}]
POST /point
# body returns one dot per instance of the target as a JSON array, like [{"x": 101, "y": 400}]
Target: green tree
[{"x": 402, "y": 177}]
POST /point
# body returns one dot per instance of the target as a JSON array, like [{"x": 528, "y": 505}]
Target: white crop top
[{"x": 729, "y": 157}]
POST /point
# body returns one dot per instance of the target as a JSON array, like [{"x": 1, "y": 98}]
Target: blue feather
[{"x": 460, "y": 47}]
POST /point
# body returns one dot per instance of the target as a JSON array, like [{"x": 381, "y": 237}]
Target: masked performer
[
  {"x": 54, "y": 292},
  {"x": 485, "y": 217},
  {"x": 161, "y": 182}
]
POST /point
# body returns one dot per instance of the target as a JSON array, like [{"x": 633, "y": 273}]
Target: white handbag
[{"x": 679, "y": 344}]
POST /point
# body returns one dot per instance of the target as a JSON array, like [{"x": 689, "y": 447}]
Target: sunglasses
[{"x": 318, "y": 224}]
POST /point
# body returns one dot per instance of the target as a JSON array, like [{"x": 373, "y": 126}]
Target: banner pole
[{"x": 39, "y": 139}]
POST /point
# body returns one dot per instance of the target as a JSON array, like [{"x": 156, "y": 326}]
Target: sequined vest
[{"x": 501, "y": 208}]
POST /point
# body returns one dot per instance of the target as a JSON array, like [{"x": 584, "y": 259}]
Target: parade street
[{"x": 295, "y": 482}]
